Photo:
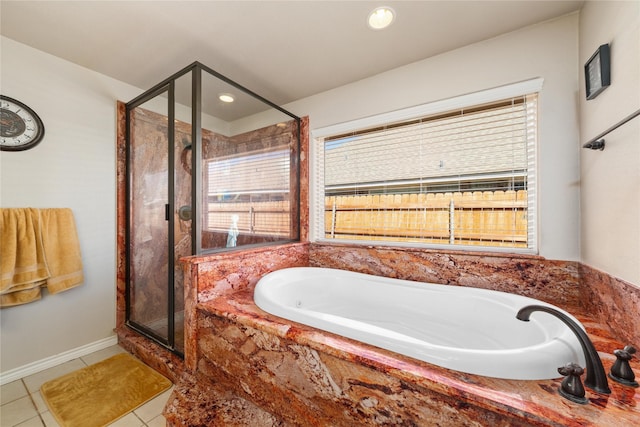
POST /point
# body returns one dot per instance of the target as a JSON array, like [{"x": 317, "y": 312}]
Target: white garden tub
[{"x": 466, "y": 329}]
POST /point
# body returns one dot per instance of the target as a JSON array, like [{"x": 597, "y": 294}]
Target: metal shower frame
[{"x": 168, "y": 86}]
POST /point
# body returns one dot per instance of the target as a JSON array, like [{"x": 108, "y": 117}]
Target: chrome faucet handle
[
  {"x": 621, "y": 370},
  {"x": 571, "y": 387}
]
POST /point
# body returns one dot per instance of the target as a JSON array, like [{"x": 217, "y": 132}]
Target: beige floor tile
[
  {"x": 12, "y": 391},
  {"x": 32, "y": 422},
  {"x": 41, "y": 406},
  {"x": 103, "y": 354},
  {"x": 33, "y": 382},
  {"x": 129, "y": 420},
  {"x": 49, "y": 419},
  {"x": 158, "y": 421},
  {"x": 24, "y": 406},
  {"x": 154, "y": 407},
  {"x": 16, "y": 412}
]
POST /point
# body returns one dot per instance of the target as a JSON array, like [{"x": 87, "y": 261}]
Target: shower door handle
[{"x": 167, "y": 212}]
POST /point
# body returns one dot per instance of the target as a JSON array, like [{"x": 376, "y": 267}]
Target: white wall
[
  {"x": 75, "y": 167},
  {"x": 547, "y": 50},
  {"x": 610, "y": 179}
]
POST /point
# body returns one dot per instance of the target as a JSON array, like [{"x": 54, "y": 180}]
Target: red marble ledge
[
  {"x": 613, "y": 302},
  {"x": 216, "y": 274},
  {"x": 159, "y": 358},
  {"x": 535, "y": 403},
  {"x": 304, "y": 179},
  {"x": 209, "y": 276},
  {"x": 555, "y": 282},
  {"x": 121, "y": 212}
]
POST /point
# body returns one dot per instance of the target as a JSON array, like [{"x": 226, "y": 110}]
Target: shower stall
[{"x": 210, "y": 166}]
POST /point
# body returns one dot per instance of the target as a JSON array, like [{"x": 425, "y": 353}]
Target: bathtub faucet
[{"x": 596, "y": 378}]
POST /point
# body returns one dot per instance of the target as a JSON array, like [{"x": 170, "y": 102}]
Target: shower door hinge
[{"x": 167, "y": 212}]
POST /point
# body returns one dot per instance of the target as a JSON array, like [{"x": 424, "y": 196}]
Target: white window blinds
[
  {"x": 461, "y": 177},
  {"x": 250, "y": 191}
]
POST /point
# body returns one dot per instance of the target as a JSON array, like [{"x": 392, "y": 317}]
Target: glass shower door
[{"x": 149, "y": 214}]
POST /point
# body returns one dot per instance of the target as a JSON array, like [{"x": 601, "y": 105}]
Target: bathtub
[{"x": 465, "y": 329}]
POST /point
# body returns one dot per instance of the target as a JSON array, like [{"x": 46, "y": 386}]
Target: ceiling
[{"x": 282, "y": 50}]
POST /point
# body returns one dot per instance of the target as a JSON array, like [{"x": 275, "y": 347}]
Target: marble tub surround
[
  {"x": 223, "y": 273},
  {"x": 302, "y": 376},
  {"x": 217, "y": 406},
  {"x": 555, "y": 282},
  {"x": 572, "y": 286},
  {"x": 215, "y": 276},
  {"x": 220, "y": 287},
  {"x": 306, "y": 377},
  {"x": 614, "y": 302}
]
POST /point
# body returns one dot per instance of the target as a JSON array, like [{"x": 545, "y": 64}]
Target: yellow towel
[
  {"x": 22, "y": 262},
  {"x": 38, "y": 247},
  {"x": 61, "y": 249}
]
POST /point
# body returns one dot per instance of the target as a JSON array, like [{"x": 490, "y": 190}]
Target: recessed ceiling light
[
  {"x": 226, "y": 97},
  {"x": 381, "y": 17}
]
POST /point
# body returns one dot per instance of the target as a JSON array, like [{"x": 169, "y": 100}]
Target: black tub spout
[{"x": 596, "y": 378}]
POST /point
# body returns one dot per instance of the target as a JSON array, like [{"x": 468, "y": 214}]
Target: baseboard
[{"x": 49, "y": 362}]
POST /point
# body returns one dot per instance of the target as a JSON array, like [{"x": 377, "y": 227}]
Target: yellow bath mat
[{"x": 101, "y": 393}]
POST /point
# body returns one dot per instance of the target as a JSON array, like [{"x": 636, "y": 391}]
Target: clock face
[{"x": 20, "y": 126}]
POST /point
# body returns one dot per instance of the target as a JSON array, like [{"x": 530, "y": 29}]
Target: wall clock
[
  {"x": 597, "y": 72},
  {"x": 20, "y": 126}
]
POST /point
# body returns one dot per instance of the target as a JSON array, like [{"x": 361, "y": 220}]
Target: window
[
  {"x": 461, "y": 176},
  {"x": 250, "y": 192}
]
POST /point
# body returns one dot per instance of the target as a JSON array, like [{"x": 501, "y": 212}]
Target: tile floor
[{"x": 22, "y": 404}]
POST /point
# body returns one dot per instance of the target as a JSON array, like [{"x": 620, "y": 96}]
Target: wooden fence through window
[
  {"x": 488, "y": 218},
  {"x": 256, "y": 218}
]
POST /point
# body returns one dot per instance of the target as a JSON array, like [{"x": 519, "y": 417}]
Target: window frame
[
  {"x": 280, "y": 153},
  {"x": 316, "y": 193}
]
